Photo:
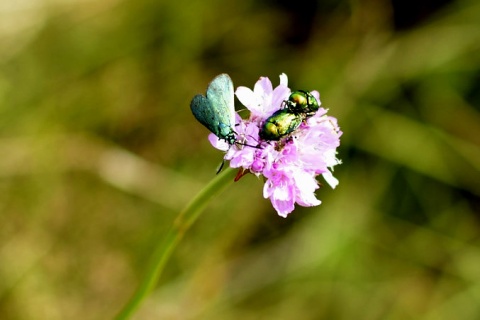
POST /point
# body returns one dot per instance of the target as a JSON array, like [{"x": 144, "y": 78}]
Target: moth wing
[
  {"x": 204, "y": 113},
  {"x": 221, "y": 96}
]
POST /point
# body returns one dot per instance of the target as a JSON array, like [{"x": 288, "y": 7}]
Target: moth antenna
[{"x": 221, "y": 166}]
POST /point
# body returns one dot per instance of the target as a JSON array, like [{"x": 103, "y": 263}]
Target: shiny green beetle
[
  {"x": 299, "y": 106},
  {"x": 302, "y": 103},
  {"x": 280, "y": 124}
]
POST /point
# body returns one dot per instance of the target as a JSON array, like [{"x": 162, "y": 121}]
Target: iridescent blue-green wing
[
  {"x": 216, "y": 111},
  {"x": 204, "y": 113},
  {"x": 221, "y": 96}
]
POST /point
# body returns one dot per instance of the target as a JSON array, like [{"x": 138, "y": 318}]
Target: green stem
[{"x": 165, "y": 249}]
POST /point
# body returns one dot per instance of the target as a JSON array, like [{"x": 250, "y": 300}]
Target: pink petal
[
  {"x": 246, "y": 96},
  {"x": 283, "y": 80},
  {"x": 218, "y": 143},
  {"x": 263, "y": 87},
  {"x": 331, "y": 180},
  {"x": 283, "y": 208},
  {"x": 280, "y": 94}
]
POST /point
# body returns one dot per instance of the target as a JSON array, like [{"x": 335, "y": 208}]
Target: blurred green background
[{"x": 99, "y": 153}]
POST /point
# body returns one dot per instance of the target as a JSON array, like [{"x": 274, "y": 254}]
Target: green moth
[{"x": 216, "y": 109}]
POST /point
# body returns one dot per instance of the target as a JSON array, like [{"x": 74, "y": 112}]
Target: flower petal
[
  {"x": 331, "y": 180},
  {"x": 263, "y": 87},
  {"x": 280, "y": 94},
  {"x": 246, "y": 96},
  {"x": 218, "y": 143},
  {"x": 283, "y": 80},
  {"x": 283, "y": 207}
]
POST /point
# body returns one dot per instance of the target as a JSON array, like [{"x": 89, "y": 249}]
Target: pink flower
[
  {"x": 291, "y": 164},
  {"x": 264, "y": 100}
]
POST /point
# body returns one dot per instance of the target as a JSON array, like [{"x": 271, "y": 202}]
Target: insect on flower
[
  {"x": 293, "y": 139},
  {"x": 299, "y": 106},
  {"x": 216, "y": 110}
]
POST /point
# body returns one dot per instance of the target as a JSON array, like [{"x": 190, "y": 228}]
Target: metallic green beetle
[
  {"x": 280, "y": 124},
  {"x": 299, "y": 106},
  {"x": 302, "y": 103}
]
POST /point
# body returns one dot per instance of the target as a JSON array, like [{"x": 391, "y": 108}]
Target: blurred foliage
[{"x": 100, "y": 152}]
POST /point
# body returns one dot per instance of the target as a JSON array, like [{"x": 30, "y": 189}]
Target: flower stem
[{"x": 165, "y": 249}]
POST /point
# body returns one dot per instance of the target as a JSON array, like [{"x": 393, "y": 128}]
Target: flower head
[{"x": 290, "y": 164}]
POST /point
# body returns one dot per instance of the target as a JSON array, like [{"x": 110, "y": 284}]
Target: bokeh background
[{"x": 99, "y": 152}]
